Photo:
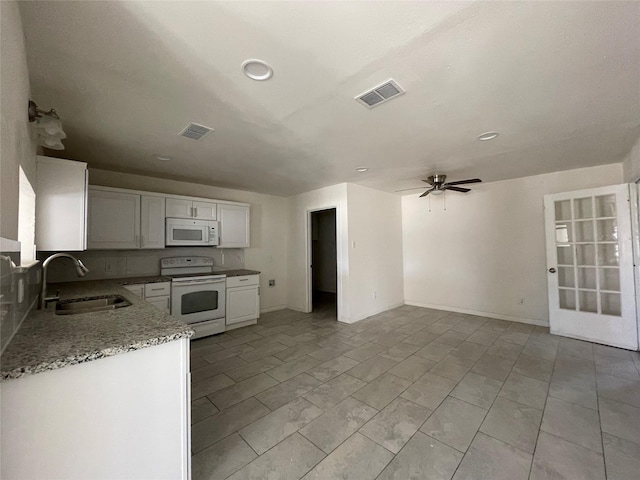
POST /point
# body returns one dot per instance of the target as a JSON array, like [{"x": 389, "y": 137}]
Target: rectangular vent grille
[
  {"x": 380, "y": 94},
  {"x": 195, "y": 131}
]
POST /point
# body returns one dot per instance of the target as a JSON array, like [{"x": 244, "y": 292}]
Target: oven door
[
  {"x": 198, "y": 300},
  {"x": 180, "y": 231}
]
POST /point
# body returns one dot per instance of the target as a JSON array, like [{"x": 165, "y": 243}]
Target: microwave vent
[
  {"x": 380, "y": 94},
  {"x": 195, "y": 131}
]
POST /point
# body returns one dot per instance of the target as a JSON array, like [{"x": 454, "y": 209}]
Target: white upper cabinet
[
  {"x": 152, "y": 222},
  {"x": 181, "y": 208},
  {"x": 114, "y": 220},
  {"x": 61, "y": 204},
  {"x": 120, "y": 220},
  {"x": 234, "y": 225}
]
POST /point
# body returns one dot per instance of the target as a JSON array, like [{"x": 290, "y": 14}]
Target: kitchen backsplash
[
  {"x": 19, "y": 288},
  {"x": 104, "y": 264}
]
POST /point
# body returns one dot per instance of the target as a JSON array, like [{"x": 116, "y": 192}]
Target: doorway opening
[{"x": 324, "y": 271}]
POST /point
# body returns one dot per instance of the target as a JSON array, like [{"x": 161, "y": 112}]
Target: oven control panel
[{"x": 173, "y": 262}]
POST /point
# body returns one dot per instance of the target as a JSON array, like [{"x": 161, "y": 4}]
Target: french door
[{"x": 590, "y": 267}]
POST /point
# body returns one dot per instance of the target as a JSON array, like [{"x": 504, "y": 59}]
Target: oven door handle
[{"x": 179, "y": 283}]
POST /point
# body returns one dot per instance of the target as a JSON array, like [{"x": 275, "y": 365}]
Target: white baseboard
[
  {"x": 511, "y": 318},
  {"x": 373, "y": 312}
]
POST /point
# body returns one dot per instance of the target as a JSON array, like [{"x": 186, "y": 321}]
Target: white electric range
[{"x": 197, "y": 294}]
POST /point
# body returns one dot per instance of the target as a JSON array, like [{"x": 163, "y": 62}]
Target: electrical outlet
[
  {"x": 375, "y": 294},
  {"x": 272, "y": 283},
  {"x": 108, "y": 266},
  {"x": 521, "y": 301}
]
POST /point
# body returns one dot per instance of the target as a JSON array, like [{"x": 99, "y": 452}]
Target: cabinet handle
[
  {"x": 157, "y": 289},
  {"x": 192, "y": 212},
  {"x": 141, "y": 240},
  {"x": 195, "y": 209},
  {"x": 137, "y": 240},
  {"x": 258, "y": 291},
  {"x": 244, "y": 280},
  {"x": 168, "y": 305}
]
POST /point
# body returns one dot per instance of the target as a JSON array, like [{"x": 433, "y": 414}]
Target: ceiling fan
[{"x": 438, "y": 185}]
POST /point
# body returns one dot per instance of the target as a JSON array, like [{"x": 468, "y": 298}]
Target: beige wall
[
  {"x": 486, "y": 251},
  {"x": 18, "y": 147},
  {"x": 269, "y": 225}
]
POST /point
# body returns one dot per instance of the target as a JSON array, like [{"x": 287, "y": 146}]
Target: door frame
[{"x": 340, "y": 266}]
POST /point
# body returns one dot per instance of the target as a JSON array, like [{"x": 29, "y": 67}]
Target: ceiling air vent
[
  {"x": 380, "y": 94},
  {"x": 195, "y": 131}
]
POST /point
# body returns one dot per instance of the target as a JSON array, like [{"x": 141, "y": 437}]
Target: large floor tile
[
  {"x": 620, "y": 389},
  {"x": 228, "y": 353},
  {"x": 284, "y": 392},
  {"x": 620, "y": 419},
  {"x": 534, "y": 367},
  {"x": 210, "y": 385},
  {"x": 423, "y": 458},
  {"x": 338, "y": 423},
  {"x": 455, "y": 423},
  {"x": 513, "y": 423},
  {"x": 618, "y": 367},
  {"x": 288, "y": 460},
  {"x": 252, "y": 369},
  {"x": 381, "y": 391},
  {"x": 494, "y": 366},
  {"x": 297, "y": 350},
  {"x": 208, "y": 370},
  {"x": 429, "y": 390},
  {"x": 622, "y": 458},
  {"x": 525, "y": 390},
  {"x": 271, "y": 429},
  {"x": 372, "y": 368},
  {"x": 434, "y": 351},
  {"x": 412, "y": 368},
  {"x": 451, "y": 368},
  {"x": 400, "y": 351},
  {"x": 220, "y": 425},
  {"x": 557, "y": 459},
  {"x": 332, "y": 368},
  {"x": 334, "y": 391},
  {"x": 221, "y": 459},
  {"x": 356, "y": 459},
  {"x": 477, "y": 389},
  {"x": 366, "y": 351},
  {"x": 293, "y": 367},
  {"x": 201, "y": 409},
  {"x": 268, "y": 349},
  {"x": 579, "y": 388},
  {"x": 421, "y": 338},
  {"x": 482, "y": 338},
  {"x": 491, "y": 459},
  {"x": 240, "y": 391},
  {"x": 396, "y": 424},
  {"x": 572, "y": 422}
]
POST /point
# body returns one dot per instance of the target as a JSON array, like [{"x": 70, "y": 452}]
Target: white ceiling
[{"x": 559, "y": 80}]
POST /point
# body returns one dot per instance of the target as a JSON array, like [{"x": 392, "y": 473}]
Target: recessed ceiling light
[
  {"x": 361, "y": 169},
  {"x": 257, "y": 69},
  {"x": 163, "y": 158},
  {"x": 488, "y": 136}
]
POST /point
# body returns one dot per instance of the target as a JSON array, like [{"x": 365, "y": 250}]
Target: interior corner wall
[
  {"x": 269, "y": 225},
  {"x": 300, "y": 206},
  {"x": 18, "y": 144},
  {"x": 486, "y": 251},
  {"x": 631, "y": 164},
  {"x": 375, "y": 251}
]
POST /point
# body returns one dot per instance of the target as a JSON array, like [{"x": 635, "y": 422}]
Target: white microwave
[{"x": 182, "y": 232}]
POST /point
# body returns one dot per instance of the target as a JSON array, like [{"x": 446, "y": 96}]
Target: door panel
[
  {"x": 590, "y": 265},
  {"x": 114, "y": 220},
  {"x": 152, "y": 222}
]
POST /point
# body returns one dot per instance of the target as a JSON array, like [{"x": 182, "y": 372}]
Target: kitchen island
[{"x": 96, "y": 395}]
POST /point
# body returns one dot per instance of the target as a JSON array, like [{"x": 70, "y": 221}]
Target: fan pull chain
[
  {"x": 429, "y": 197},
  {"x": 444, "y": 201}
]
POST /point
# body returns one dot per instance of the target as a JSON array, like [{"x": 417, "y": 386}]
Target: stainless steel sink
[{"x": 91, "y": 304}]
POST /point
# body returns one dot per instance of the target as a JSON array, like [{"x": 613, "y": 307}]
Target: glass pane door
[{"x": 588, "y": 254}]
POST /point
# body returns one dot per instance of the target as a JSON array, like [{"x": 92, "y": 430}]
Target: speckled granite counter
[
  {"x": 235, "y": 273},
  {"x": 47, "y": 341},
  {"x": 138, "y": 280}
]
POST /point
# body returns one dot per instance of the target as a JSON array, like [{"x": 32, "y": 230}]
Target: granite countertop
[
  {"x": 47, "y": 341},
  {"x": 235, "y": 273},
  {"x": 139, "y": 280}
]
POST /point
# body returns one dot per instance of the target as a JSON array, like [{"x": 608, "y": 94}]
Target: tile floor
[{"x": 411, "y": 393}]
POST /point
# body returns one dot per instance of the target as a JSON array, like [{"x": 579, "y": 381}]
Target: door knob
[{"x": 552, "y": 270}]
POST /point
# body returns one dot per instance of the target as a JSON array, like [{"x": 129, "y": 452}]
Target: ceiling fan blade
[
  {"x": 462, "y": 182},
  {"x": 457, "y": 189},
  {"x": 405, "y": 189},
  {"x": 427, "y": 192},
  {"x": 429, "y": 180}
]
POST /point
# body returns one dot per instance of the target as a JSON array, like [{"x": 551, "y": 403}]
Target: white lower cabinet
[
  {"x": 157, "y": 294},
  {"x": 243, "y": 300},
  {"x": 124, "y": 416}
]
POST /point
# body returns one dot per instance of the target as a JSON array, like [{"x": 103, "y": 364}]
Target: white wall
[
  {"x": 298, "y": 250},
  {"x": 631, "y": 164},
  {"x": 487, "y": 250},
  {"x": 375, "y": 251},
  {"x": 18, "y": 146},
  {"x": 269, "y": 225}
]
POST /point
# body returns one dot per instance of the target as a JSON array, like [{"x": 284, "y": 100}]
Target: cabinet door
[
  {"x": 61, "y": 205},
  {"x": 151, "y": 222},
  {"x": 204, "y": 210},
  {"x": 161, "y": 303},
  {"x": 243, "y": 303},
  {"x": 137, "y": 289},
  {"x": 234, "y": 225},
  {"x": 114, "y": 220},
  {"x": 178, "y": 208}
]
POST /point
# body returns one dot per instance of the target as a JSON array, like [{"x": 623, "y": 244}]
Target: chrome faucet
[{"x": 80, "y": 269}]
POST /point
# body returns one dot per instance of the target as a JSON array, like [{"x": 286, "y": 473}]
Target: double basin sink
[{"x": 91, "y": 304}]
